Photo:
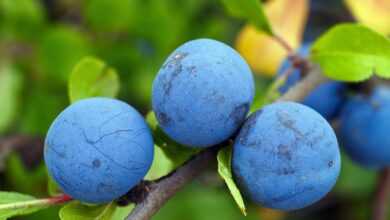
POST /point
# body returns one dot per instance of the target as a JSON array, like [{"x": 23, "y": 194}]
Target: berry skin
[
  {"x": 326, "y": 99},
  {"x": 97, "y": 149},
  {"x": 202, "y": 93},
  {"x": 364, "y": 128},
  {"x": 286, "y": 156}
]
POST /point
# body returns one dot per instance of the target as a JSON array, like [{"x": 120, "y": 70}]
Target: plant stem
[
  {"x": 162, "y": 190},
  {"x": 302, "y": 88},
  {"x": 56, "y": 200},
  {"x": 382, "y": 195},
  {"x": 284, "y": 44},
  {"x": 296, "y": 59}
]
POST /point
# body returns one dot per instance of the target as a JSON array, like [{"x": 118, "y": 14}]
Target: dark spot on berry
[
  {"x": 284, "y": 152},
  {"x": 96, "y": 163},
  {"x": 163, "y": 118},
  {"x": 191, "y": 70},
  {"x": 175, "y": 67},
  {"x": 287, "y": 171},
  {"x": 330, "y": 163}
]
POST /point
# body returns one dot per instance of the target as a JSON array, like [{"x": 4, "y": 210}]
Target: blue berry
[
  {"x": 286, "y": 156},
  {"x": 364, "y": 128},
  {"x": 202, "y": 93},
  {"x": 97, "y": 149}
]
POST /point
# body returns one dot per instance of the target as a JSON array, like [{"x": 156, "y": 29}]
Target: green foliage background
[{"x": 40, "y": 43}]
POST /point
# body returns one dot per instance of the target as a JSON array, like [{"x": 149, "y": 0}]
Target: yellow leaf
[
  {"x": 372, "y": 13},
  {"x": 264, "y": 54},
  {"x": 271, "y": 214}
]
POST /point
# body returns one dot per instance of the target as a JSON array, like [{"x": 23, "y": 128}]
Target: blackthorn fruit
[
  {"x": 97, "y": 149},
  {"x": 286, "y": 156},
  {"x": 202, "y": 93},
  {"x": 364, "y": 128}
]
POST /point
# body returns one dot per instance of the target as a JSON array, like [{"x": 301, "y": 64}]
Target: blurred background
[{"x": 42, "y": 40}]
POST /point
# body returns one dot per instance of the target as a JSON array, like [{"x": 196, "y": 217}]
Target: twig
[
  {"x": 381, "y": 196},
  {"x": 15, "y": 49},
  {"x": 284, "y": 44},
  {"x": 165, "y": 188},
  {"x": 296, "y": 59},
  {"x": 161, "y": 191},
  {"x": 302, "y": 88},
  {"x": 30, "y": 148}
]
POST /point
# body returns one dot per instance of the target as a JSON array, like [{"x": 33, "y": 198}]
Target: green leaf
[
  {"x": 224, "y": 158},
  {"x": 168, "y": 154},
  {"x": 20, "y": 18},
  {"x": 121, "y": 212},
  {"x": 152, "y": 120},
  {"x": 252, "y": 10},
  {"x": 92, "y": 77},
  {"x": 161, "y": 165},
  {"x": 14, "y": 204},
  {"x": 197, "y": 202},
  {"x": 352, "y": 52},
  {"x": 10, "y": 197},
  {"x": 10, "y": 88},
  {"x": 32, "y": 120},
  {"x": 77, "y": 211},
  {"x": 270, "y": 94},
  {"x": 111, "y": 15},
  {"x": 60, "y": 49}
]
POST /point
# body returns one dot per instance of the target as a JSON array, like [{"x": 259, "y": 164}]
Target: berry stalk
[
  {"x": 382, "y": 196},
  {"x": 56, "y": 200}
]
